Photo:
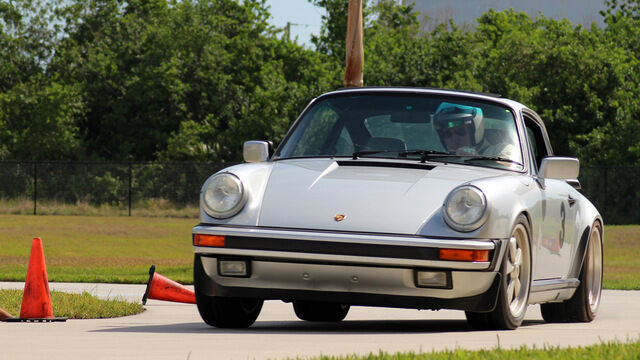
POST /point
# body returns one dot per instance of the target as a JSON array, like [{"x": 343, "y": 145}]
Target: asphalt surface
[{"x": 169, "y": 330}]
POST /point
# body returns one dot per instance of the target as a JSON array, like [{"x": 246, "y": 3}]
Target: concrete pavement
[{"x": 175, "y": 331}]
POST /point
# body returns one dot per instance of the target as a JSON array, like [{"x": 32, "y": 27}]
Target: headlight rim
[
  {"x": 235, "y": 209},
  {"x": 470, "y": 226}
]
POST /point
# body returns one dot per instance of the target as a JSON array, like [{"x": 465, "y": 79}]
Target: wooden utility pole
[
  {"x": 355, "y": 51},
  {"x": 287, "y": 30}
]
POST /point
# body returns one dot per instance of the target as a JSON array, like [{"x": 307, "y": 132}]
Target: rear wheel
[
  {"x": 320, "y": 311},
  {"x": 583, "y": 305},
  {"x": 513, "y": 295}
]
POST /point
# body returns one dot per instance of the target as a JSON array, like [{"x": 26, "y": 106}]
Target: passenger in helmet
[{"x": 461, "y": 130}]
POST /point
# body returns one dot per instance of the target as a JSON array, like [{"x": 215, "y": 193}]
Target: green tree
[
  {"x": 193, "y": 79},
  {"x": 26, "y": 40},
  {"x": 38, "y": 115},
  {"x": 620, "y": 9},
  {"x": 288, "y": 79},
  {"x": 38, "y": 121},
  {"x": 120, "y": 55},
  {"x": 183, "y": 79},
  {"x": 573, "y": 77}
]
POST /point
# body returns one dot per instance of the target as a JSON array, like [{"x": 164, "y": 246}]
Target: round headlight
[
  {"x": 223, "y": 195},
  {"x": 465, "y": 209}
]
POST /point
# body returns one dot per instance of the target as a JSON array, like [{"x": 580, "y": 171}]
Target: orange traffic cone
[
  {"x": 163, "y": 288},
  {"x": 36, "y": 299}
]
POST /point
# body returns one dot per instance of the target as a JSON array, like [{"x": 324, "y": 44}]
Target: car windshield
[{"x": 407, "y": 126}]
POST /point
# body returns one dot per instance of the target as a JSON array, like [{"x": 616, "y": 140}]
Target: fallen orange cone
[
  {"x": 36, "y": 299},
  {"x": 163, "y": 288}
]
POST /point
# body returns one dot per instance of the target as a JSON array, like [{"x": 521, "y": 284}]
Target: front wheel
[
  {"x": 223, "y": 312},
  {"x": 583, "y": 305},
  {"x": 513, "y": 295},
  {"x": 320, "y": 311}
]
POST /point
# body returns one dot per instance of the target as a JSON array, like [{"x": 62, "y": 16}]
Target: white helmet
[{"x": 450, "y": 115}]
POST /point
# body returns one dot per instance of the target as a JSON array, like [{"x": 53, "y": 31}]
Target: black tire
[
  {"x": 583, "y": 305},
  {"x": 513, "y": 295},
  {"x": 320, "y": 311},
  {"x": 222, "y": 312}
]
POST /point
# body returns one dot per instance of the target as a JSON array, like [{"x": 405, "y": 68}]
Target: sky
[{"x": 301, "y": 12}]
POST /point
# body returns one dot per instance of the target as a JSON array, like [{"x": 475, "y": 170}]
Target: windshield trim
[{"x": 443, "y": 161}]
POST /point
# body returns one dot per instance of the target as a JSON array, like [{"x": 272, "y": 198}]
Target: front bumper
[{"x": 350, "y": 268}]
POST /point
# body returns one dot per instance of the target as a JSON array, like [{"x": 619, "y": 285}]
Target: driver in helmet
[{"x": 461, "y": 131}]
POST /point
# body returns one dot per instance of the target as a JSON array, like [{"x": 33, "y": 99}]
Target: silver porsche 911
[{"x": 401, "y": 197}]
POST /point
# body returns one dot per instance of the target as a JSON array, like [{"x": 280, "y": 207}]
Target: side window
[{"x": 537, "y": 147}]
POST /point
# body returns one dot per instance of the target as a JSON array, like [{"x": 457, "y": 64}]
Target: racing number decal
[{"x": 563, "y": 215}]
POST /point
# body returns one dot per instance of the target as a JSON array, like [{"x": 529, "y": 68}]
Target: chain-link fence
[
  {"x": 614, "y": 190},
  {"x": 119, "y": 184}
]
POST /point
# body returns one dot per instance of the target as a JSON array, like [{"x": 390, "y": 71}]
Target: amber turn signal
[
  {"x": 208, "y": 240},
  {"x": 464, "y": 255}
]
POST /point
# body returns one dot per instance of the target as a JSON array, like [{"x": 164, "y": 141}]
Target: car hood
[{"x": 381, "y": 197}]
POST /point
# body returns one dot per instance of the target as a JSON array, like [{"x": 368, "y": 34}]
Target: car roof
[{"x": 428, "y": 91}]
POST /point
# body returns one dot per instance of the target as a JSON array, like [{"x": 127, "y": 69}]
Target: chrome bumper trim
[
  {"x": 364, "y": 239},
  {"x": 348, "y": 237}
]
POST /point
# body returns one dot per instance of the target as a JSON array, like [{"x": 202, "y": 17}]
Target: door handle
[{"x": 572, "y": 201}]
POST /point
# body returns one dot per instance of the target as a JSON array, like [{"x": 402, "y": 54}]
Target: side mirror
[
  {"x": 561, "y": 168},
  {"x": 255, "y": 151}
]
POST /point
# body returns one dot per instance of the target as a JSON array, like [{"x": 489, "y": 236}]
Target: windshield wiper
[
  {"x": 358, "y": 154},
  {"x": 492, "y": 158},
  {"x": 426, "y": 154}
]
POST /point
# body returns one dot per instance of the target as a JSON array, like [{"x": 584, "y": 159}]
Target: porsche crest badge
[{"x": 339, "y": 217}]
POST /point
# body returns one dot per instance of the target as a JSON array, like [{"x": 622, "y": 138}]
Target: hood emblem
[{"x": 339, "y": 217}]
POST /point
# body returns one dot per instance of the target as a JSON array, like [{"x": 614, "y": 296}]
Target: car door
[
  {"x": 553, "y": 245},
  {"x": 555, "y": 248}
]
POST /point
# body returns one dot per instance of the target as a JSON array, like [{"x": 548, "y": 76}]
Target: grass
[
  {"x": 121, "y": 249},
  {"x": 622, "y": 257},
  {"x": 608, "y": 350},
  {"x": 98, "y": 249},
  {"x": 74, "y": 306}
]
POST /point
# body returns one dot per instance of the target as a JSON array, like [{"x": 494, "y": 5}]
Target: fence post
[
  {"x": 605, "y": 210},
  {"x": 130, "y": 176},
  {"x": 636, "y": 218},
  {"x": 35, "y": 187}
]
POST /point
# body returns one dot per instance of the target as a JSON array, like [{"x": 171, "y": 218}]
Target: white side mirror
[
  {"x": 255, "y": 151},
  {"x": 561, "y": 168}
]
